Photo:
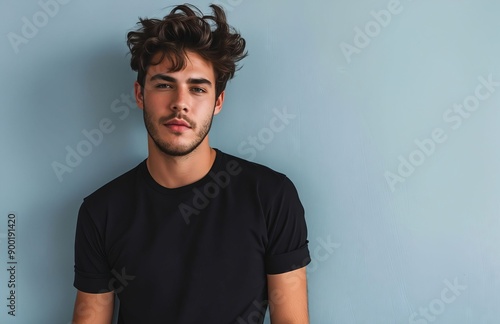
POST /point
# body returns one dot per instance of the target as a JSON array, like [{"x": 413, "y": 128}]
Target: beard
[{"x": 176, "y": 149}]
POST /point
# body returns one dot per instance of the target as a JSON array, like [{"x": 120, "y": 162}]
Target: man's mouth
[{"x": 177, "y": 125}]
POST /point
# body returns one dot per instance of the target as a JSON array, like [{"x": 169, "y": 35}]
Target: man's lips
[{"x": 177, "y": 124}]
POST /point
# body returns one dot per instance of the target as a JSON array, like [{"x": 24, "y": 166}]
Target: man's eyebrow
[
  {"x": 168, "y": 78},
  {"x": 162, "y": 77},
  {"x": 199, "y": 81}
]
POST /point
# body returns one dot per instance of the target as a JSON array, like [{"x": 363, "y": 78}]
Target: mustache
[{"x": 165, "y": 119}]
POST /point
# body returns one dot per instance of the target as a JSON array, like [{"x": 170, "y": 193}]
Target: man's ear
[
  {"x": 139, "y": 95},
  {"x": 218, "y": 103}
]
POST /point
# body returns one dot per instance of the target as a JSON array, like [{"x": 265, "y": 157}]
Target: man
[{"x": 190, "y": 235}]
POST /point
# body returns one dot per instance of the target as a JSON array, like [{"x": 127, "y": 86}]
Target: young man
[{"x": 190, "y": 235}]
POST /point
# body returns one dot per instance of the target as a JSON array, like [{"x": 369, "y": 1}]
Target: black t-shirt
[{"x": 195, "y": 254}]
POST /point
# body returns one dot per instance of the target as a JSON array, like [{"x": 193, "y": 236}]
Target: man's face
[{"x": 178, "y": 107}]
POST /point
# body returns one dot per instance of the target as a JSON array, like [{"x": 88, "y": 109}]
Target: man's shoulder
[
  {"x": 252, "y": 171},
  {"x": 116, "y": 189}
]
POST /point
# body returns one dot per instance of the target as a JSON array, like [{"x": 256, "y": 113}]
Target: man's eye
[
  {"x": 198, "y": 90},
  {"x": 162, "y": 86}
]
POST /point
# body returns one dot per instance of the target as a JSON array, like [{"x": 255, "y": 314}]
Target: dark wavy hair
[{"x": 187, "y": 29}]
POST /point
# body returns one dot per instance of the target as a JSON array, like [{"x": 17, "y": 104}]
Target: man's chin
[{"x": 175, "y": 151}]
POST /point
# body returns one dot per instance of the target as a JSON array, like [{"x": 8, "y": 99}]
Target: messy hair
[{"x": 184, "y": 29}]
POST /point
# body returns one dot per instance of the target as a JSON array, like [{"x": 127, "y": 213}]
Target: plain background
[{"x": 381, "y": 253}]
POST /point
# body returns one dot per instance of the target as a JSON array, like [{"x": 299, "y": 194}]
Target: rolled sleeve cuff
[
  {"x": 92, "y": 283},
  {"x": 289, "y": 261}
]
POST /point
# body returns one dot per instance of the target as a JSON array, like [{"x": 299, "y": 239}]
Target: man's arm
[
  {"x": 93, "y": 308},
  {"x": 288, "y": 297}
]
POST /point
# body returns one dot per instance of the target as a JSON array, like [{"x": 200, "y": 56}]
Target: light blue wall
[{"x": 415, "y": 245}]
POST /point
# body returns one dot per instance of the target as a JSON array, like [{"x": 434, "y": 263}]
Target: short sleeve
[
  {"x": 287, "y": 248},
  {"x": 92, "y": 274}
]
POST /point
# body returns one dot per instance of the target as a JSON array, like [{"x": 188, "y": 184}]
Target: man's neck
[{"x": 177, "y": 171}]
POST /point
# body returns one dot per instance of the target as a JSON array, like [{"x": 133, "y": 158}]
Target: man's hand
[{"x": 288, "y": 297}]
